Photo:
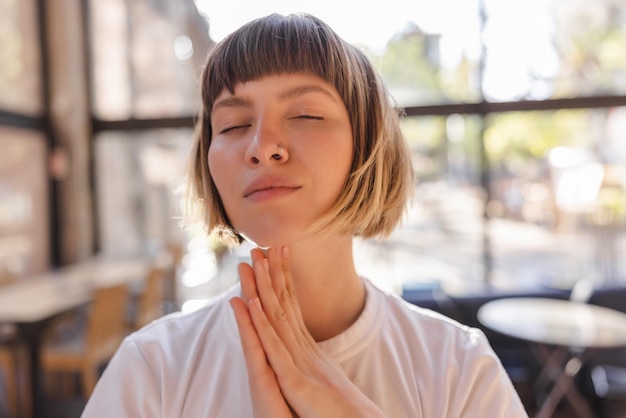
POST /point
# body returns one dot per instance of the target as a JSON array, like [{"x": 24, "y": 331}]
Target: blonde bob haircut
[{"x": 374, "y": 197}]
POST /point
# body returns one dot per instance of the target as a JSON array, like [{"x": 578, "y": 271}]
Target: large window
[
  {"x": 558, "y": 194},
  {"x": 138, "y": 175},
  {"x": 152, "y": 52},
  {"x": 20, "y": 68},
  {"x": 24, "y": 194},
  {"x": 514, "y": 116},
  {"x": 23, "y": 203}
]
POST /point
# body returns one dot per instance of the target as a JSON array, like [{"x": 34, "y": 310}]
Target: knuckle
[
  {"x": 280, "y": 316},
  {"x": 284, "y": 296},
  {"x": 291, "y": 291}
]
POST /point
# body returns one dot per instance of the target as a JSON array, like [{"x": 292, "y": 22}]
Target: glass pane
[
  {"x": 532, "y": 50},
  {"x": 553, "y": 49},
  {"x": 558, "y": 196},
  {"x": 440, "y": 241},
  {"x": 426, "y": 54},
  {"x": 137, "y": 175},
  {"x": 435, "y": 58},
  {"x": 20, "y": 68},
  {"x": 24, "y": 240},
  {"x": 147, "y": 56}
]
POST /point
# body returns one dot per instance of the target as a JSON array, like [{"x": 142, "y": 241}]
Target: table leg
[
  {"x": 552, "y": 359},
  {"x": 564, "y": 387},
  {"x": 30, "y": 333}
]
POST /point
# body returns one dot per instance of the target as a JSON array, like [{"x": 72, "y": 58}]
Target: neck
[{"x": 330, "y": 293}]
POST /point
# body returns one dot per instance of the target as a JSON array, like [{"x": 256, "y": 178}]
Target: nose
[{"x": 266, "y": 146}]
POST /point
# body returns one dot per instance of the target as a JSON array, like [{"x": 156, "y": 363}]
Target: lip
[{"x": 268, "y": 187}]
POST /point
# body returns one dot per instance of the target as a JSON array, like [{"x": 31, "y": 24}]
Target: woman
[{"x": 298, "y": 150}]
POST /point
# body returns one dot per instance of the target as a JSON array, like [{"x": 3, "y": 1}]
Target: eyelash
[
  {"x": 309, "y": 117},
  {"x": 232, "y": 128}
]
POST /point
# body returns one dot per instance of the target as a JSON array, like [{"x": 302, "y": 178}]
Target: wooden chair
[
  {"x": 11, "y": 365},
  {"x": 10, "y": 362},
  {"x": 8, "y": 368},
  {"x": 149, "y": 305},
  {"x": 89, "y": 349}
]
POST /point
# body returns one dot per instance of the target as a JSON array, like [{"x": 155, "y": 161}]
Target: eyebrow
[
  {"x": 232, "y": 101},
  {"x": 301, "y": 90},
  {"x": 238, "y": 101}
]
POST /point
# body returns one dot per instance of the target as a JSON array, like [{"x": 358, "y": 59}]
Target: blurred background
[{"x": 515, "y": 114}]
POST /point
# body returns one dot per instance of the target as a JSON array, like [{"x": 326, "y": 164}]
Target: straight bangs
[{"x": 274, "y": 45}]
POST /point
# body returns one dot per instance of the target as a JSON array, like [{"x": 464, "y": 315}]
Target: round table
[{"x": 561, "y": 333}]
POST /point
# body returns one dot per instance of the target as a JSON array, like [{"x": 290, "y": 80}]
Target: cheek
[
  {"x": 212, "y": 161},
  {"x": 342, "y": 156},
  {"x": 218, "y": 167},
  {"x": 335, "y": 166}
]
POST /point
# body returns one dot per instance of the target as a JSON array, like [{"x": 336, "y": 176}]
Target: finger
[
  {"x": 276, "y": 268},
  {"x": 265, "y": 392},
  {"x": 248, "y": 283},
  {"x": 257, "y": 255},
  {"x": 275, "y": 313},
  {"x": 277, "y": 353},
  {"x": 285, "y": 296},
  {"x": 290, "y": 292},
  {"x": 253, "y": 351},
  {"x": 285, "y": 293}
]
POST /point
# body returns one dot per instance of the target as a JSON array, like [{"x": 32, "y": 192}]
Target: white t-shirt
[{"x": 410, "y": 361}]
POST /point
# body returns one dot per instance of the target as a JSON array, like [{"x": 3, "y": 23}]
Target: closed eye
[
  {"x": 233, "y": 128},
  {"x": 312, "y": 117}
]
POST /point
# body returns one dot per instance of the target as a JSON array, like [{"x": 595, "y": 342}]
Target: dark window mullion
[{"x": 18, "y": 120}]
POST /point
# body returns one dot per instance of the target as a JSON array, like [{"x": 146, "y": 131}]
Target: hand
[{"x": 286, "y": 369}]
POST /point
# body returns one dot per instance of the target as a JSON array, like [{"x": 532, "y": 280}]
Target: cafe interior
[{"x": 515, "y": 113}]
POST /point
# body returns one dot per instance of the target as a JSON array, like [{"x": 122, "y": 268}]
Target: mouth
[{"x": 267, "y": 187}]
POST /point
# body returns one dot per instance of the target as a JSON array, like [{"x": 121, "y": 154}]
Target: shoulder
[
  {"x": 458, "y": 369},
  {"x": 418, "y": 321},
  {"x": 423, "y": 334},
  {"x": 154, "y": 371},
  {"x": 185, "y": 331}
]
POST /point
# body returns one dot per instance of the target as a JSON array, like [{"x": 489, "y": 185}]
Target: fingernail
[
  {"x": 266, "y": 265},
  {"x": 285, "y": 251}
]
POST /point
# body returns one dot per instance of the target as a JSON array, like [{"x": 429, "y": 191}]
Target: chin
[
  {"x": 268, "y": 240},
  {"x": 256, "y": 243}
]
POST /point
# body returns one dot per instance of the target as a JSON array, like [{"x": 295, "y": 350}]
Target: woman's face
[{"x": 280, "y": 154}]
